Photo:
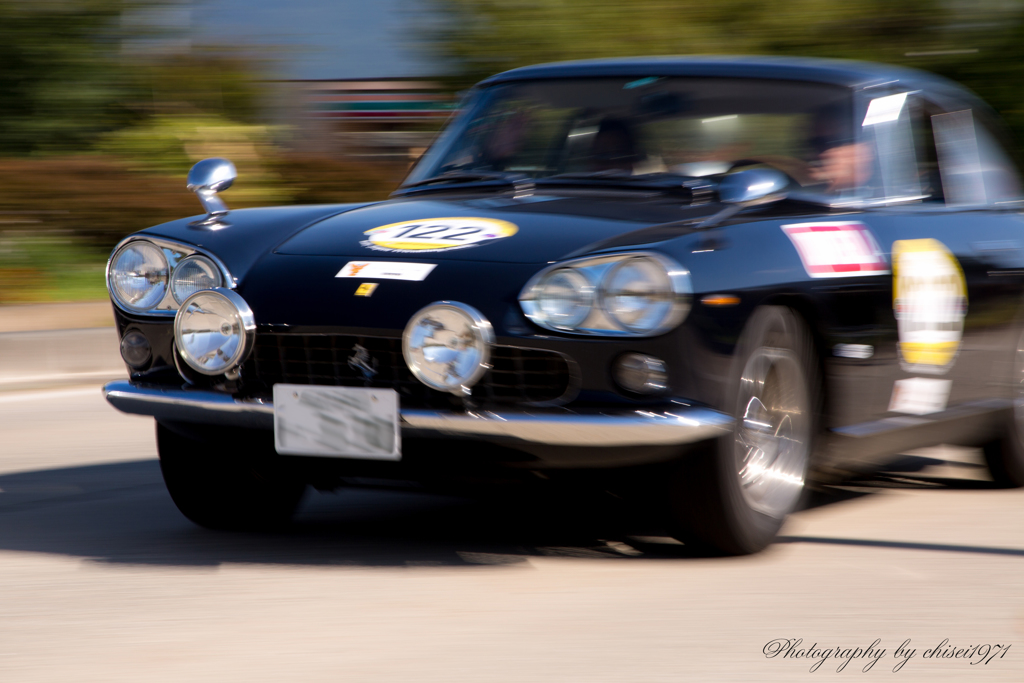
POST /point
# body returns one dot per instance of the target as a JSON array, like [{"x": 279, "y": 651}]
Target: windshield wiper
[
  {"x": 611, "y": 173},
  {"x": 671, "y": 183},
  {"x": 618, "y": 175},
  {"x": 465, "y": 177}
]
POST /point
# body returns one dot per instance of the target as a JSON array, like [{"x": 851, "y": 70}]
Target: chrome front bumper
[{"x": 553, "y": 427}]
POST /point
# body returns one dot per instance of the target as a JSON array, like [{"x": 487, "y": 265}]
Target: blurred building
[
  {"x": 375, "y": 119},
  {"x": 351, "y": 81},
  {"x": 318, "y": 39}
]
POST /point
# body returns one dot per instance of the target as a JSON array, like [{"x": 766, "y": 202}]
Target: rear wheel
[
  {"x": 1005, "y": 457},
  {"x": 220, "y": 483},
  {"x": 733, "y": 497}
]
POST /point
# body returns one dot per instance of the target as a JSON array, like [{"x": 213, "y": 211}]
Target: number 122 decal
[{"x": 437, "y": 234}]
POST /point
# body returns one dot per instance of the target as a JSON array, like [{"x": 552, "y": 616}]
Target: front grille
[{"x": 517, "y": 375}]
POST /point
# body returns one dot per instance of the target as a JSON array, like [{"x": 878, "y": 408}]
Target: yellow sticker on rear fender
[
  {"x": 437, "y": 234},
  {"x": 929, "y": 301}
]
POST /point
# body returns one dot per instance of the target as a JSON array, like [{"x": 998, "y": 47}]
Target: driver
[
  {"x": 505, "y": 139},
  {"x": 840, "y": 162}
]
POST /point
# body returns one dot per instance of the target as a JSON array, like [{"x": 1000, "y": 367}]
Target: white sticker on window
[
  {"x": 884, "y": 109},
  {"x": 386, "y": 270}
]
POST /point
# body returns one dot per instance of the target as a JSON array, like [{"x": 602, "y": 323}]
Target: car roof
[{"x": 846, "y": 73}]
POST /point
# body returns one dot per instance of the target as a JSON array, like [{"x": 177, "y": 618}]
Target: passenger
[{"x": 614, "y": 147}]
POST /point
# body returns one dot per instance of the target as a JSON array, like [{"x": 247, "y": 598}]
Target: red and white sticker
[
  {"x": 840, "y": 249},
  {"x": 386, "y": 270}
]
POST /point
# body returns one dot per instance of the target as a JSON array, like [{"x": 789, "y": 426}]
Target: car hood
[
  {"x": 288, "y": 262},
  {"x": 312, "y": 279},
  {"x": 536, "y": 229}
]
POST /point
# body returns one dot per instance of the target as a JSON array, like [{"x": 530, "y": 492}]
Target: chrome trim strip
[
  {"x": 188, "y": 405},
  {"x": 682, "y": 425},
  {"x": 687, "y": 424}
]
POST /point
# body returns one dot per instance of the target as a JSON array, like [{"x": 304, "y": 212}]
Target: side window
[
  {"x": 889, "y": 132},
  {"x": 925, "y": 152},
  {"x": 1002, "y": 181},
  {"x": 972, "y": 165},
  {"x": 959, "y": 160}
]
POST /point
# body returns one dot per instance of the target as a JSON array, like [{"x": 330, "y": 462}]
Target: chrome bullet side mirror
[
  {"x": 743, "y": 189},
  {"x": 753, "y": 186},
  {"x": 206, "y": 179}
]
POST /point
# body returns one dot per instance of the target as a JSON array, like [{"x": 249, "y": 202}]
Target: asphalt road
[{"x": 102, "y": 580}]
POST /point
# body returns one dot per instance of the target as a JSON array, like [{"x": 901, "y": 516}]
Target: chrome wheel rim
[{"x": 772, "y": 440}]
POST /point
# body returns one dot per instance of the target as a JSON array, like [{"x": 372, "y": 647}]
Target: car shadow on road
[
  {"x": 868, "y": 543},
  {"x": 121, "y": 513}
]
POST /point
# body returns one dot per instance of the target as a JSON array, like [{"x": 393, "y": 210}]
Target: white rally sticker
[
  {"x": 437, "y": 234},
  {"x": 386, "y": 270},
  {"x": 929, "y": 300},
  {"x": 884, "y": 109},
  {"x": 838, "y": 249},
  {"x": 920, "y": 395}
]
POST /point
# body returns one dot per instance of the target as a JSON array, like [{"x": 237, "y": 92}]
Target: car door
[{"x": 956, "y": 252}]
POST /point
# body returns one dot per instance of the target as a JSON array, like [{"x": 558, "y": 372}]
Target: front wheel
[
  {"x": 733, "y": 497},
  {"x": 224, "y": 483}
]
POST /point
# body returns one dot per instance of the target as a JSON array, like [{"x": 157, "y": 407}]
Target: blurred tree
[
  {"x": 995, "y": 72},
  {"x": 219, "y": 81},
  {"x": 977, "y": 42},
  {"x": 481, "y": 37},
  {"x": 75, "y": 69},
  {"x": 60, "y": 81}
]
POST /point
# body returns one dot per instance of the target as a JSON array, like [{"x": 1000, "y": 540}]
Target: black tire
[
  {"x": 1005, "y": 456},
  {"x": 1005, "y": 459},
  {"x": 721, "y": 500},
  {"x": 227, "y": 484}
]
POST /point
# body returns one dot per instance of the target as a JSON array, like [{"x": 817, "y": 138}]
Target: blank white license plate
[{"x": 337, "y": 422}]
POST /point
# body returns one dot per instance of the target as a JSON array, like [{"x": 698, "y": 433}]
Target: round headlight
[
  {"x": 138, "y": 275},
  {"x": 447, "y": 346},
  {"x": 564, "y": 298},
  {"x": 637, "y": 294},
  {"x": 194, "y": 274},
  {"x": 213, "y": 331}
]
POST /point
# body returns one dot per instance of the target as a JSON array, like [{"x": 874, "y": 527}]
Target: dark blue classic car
[{"x": 727, "y": 279}]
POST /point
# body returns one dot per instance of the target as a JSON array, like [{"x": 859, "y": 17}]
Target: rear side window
[
  {"x": 923, "y": 152},
  {"x": 972, "y": 166}
]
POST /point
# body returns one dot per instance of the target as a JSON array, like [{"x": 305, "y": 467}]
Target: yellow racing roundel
[
  {"x": 929, "y": 301},
  {"x": 437, "y": 234}
]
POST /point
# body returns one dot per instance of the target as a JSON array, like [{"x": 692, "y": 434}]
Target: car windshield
[{"x": 563, "y": 129}]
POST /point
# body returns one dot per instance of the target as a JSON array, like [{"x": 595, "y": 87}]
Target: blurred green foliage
[
  {"x": 71, "y": 70},
  {"x": 202, "y": 80},
  {"x": 481, "y": 37},
  {"x": 977, "y": 42},
  {"x": 49, "y": 268},
  {"x": 172, "y": 144},
  {"x": 59, "y": 81}
]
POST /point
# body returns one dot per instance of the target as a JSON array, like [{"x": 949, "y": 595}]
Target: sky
[{"x": 317, "y": 39}]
